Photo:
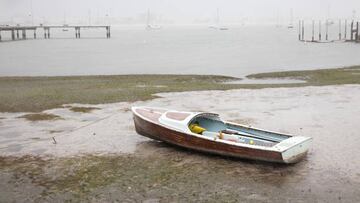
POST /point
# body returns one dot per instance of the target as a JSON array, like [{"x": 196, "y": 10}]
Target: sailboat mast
[
  {"x": 148, "y": 18},
  {"x": 31, "y": 12}
]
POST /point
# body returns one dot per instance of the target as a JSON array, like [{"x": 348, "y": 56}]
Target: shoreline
[
  {"x": 91, "y": 152},
  {"x": 110, "y": 158},
  {"x": 36, "y": 94}
]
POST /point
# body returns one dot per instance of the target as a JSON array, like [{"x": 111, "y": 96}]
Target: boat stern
[{"x": 294, "y": 148}]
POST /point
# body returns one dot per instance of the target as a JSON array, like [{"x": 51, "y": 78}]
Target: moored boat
[{"x": 207, "y": 132}]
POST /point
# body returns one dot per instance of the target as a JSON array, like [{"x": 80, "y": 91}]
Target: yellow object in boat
[
  {"x": 195, "y": 128},
  {"x": 221, "y": 136},
  {"x": 251, "y": 142}
]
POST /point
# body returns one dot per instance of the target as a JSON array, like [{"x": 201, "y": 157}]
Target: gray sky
[{"x": 177, "y": 11}]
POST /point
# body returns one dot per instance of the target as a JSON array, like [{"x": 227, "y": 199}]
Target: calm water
[{"x": 187, "y": 50}]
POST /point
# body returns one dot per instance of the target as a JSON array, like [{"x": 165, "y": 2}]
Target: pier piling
[
  {"x": 327, "y": 30},
  {"x": 352, "y": 31},
  {"x": 319, "y": 30},
  {"x": 299, "y": 30},
  {"x": 313, "y": 31},
  {"x": 0, "y": 34},
  {"x": 339, "y": 29},
  {"x": 107, "y": 31},
  {"x": 345, "y": 32},
  {"x": 302, "y": 31},
  {"x": 13, "y": 34},
  {"x": 357, "y": 31},
  {"x": 24, "y": 34}
]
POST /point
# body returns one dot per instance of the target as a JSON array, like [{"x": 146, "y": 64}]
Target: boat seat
[
  {"x": 223, "y": 136},
  {"x": 210, "y": 134}
]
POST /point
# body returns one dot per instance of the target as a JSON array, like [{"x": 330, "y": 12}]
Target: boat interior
[{"x": 212, "y": 126}]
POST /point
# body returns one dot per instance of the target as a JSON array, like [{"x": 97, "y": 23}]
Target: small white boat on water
[
  {"x": 217, "y": 25},
  {"x": 150, "y": 26}
]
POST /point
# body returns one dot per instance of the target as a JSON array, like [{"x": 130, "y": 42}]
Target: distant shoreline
[{"x": 35, "y": 94}]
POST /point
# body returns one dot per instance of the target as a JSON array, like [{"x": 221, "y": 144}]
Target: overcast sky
[{"x": 178, "y": 11}]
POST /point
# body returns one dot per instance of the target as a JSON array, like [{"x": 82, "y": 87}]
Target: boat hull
[{"x": 156, "y": 131}]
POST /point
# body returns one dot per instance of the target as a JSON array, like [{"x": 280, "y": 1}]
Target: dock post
[
  {"x": 345, "y": 33},
  {"x": 34, "y": 34},
  {"x": 17, "y": 34},
  {"x": 13, "y": 34},
  {"x": 327, "y": 30},
  {"x": 319, "y": 30},
  {"x": 303, "y": 31},
  {"x": 340, "y": 29},
  {"x": 107, "y": 31},
  {"x": 109, "y": 35},
  {"x": 299, "y": 30},
  {"x": 313, "y": 31},
  {"x": 75, "y": 32},
  {"x": 0, "y": 35},
  {"x": 45, "y": 36},
  {"x": 23, "y": 33},
  {"x": 79, "y": 32},
  {"x": 357, "y": 32},
  {"x": 352, "y": 31},
  {"x": 48, "y": 34}
]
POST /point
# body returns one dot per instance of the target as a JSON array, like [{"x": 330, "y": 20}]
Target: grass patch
[
  {"x": 35, "y": 94},
  {"x": 121, "y": 177},
  {"x": 40, "y": 117},
  {"x": 336, "y": 76},
  {"x": 83, "y": 109}
]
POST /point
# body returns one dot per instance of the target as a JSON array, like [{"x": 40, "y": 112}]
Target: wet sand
[{"x": 329, "y": 173}]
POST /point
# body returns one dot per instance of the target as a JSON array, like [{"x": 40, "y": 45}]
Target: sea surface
[{"x": 239, "y": 51}]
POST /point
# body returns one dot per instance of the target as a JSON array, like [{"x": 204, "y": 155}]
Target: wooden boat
[{"x": 208, "y": 133}]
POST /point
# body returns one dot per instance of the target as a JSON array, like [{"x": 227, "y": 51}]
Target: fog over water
[
  {"x": 185, "y": 44},
  {"x": 172, "y": 11}
]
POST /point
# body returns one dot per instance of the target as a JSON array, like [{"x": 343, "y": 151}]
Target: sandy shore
[{"x": 329, "y": 114}]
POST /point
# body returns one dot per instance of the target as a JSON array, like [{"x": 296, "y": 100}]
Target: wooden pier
[
  {"x": 342, "y": 35},
  {"x": 15, "y": 30}
]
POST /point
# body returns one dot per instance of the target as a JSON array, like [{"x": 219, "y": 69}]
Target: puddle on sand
[{"x": 265, "y": 81}]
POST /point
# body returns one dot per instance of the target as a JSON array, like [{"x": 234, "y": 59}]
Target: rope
[{"x": 61, "y": 134}]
